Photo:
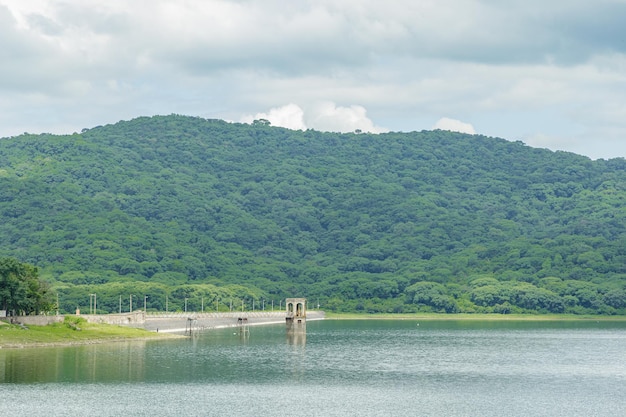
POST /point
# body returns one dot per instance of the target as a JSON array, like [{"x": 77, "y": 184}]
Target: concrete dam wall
[
  {"x": 170, "y": 322},
  {"x": 178, "y": 322}
]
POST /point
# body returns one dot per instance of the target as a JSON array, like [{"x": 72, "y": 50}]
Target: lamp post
[
  {"x": 130, "y": 303},
  {"x": 93, "y": 304},
  {"x": 145, "y": 299}
]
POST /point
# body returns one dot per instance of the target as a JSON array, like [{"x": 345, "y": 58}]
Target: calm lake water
[{"x": 340, "y": 368}]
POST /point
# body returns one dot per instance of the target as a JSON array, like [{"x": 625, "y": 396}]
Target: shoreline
[
  {"x": 33, "y": 336},
  {"x": 149, "y": 332},
  {"x": 469, "y": 316},
  {"x": 176, "y": 333}
]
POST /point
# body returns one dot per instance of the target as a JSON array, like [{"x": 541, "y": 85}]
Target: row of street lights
[{"x": 93, "y": 304}]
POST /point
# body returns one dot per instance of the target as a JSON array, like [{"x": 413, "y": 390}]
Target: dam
[
  {"x": 175, "y": 322},
  {"x": 179, "y": 322}
]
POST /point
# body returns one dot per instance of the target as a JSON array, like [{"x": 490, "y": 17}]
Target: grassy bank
[
  {"x": 70, "y": 332},
  {"x": 486, "y": 317}
]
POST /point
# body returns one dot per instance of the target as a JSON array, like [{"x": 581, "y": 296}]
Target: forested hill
[{"x": 214, "y": 212}]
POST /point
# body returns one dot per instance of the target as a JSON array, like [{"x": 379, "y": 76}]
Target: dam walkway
[{"x": 179, "y": 322}]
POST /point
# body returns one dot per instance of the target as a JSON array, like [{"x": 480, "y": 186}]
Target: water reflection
[
  {"x": 296, "y": 338},
  {"x": 89, "y": 363}
]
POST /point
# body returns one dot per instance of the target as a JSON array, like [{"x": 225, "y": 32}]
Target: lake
[{"x": 339, "y": 368}]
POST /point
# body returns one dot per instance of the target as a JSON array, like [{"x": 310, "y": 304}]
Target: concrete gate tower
[{"x": 295, "y": 314}]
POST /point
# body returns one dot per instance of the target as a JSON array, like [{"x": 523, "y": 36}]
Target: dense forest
[{"x": 178, "y": 211}]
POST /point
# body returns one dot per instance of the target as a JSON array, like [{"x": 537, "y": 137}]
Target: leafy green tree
[
  {"x": 432, "y": 294},
  {"x": 21, "y": 290},
  {"x": 615, "y": 298}
]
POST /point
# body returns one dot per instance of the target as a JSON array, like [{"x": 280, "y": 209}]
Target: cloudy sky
[{"x": 549, "y": 73}]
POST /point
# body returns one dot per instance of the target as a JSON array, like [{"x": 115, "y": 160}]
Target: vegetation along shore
[
  {"x": 474, "y": 317},
  {"x": 72, "y": 331}
]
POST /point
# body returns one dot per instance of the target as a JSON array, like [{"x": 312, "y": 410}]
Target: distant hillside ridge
[{"x": 176, "y": 210}]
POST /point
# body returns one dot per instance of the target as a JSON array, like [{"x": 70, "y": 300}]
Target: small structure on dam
[
  {"x": 295, "y": 314},
  {"x": 191, "y": 327},
  {"x": 242, "y": 324}
]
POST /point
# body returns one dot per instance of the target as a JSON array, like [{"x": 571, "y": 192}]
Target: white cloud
[
  {"x": 289, "y": 116},
  {"x": 454, "y": 125},
  {"x": 327, "y": 116},
  {"x": 324, "y": 116}
]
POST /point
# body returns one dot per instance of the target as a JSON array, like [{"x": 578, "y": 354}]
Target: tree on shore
[{"x": 21, "y": 290}]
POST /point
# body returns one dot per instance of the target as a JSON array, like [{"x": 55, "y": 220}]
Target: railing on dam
[
  {"x": 220, "y": 315},
  {"x": 224, "y": 315}
]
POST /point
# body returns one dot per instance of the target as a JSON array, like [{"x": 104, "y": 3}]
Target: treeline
[{"x": 177, "y": 208}]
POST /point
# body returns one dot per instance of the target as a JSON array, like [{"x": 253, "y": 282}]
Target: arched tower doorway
[{"x": 295, "y": 313}]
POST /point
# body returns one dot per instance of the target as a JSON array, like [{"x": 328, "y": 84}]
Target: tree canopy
[
  {"x": 21, "y": 290},
  {"x": 176, "y": 208}
]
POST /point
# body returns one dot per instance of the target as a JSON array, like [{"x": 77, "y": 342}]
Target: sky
[{"x": 551, "y": 74}]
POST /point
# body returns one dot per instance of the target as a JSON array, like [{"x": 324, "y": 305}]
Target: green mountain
[{"x": 178, "y": 210}]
